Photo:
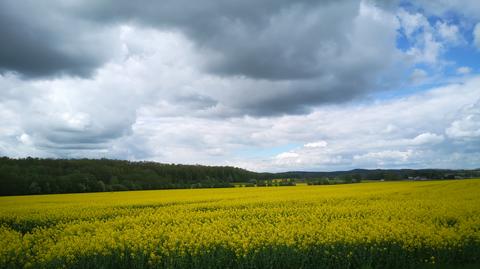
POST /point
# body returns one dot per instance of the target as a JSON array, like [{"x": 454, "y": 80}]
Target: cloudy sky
[{"x": 271, "y": 85}]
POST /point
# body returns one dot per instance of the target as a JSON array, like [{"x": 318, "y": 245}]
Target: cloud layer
[
  {"x": 270, "y": 85},
  {"x": 282, "y": 58}
]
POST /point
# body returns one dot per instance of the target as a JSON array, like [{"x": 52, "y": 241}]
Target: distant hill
[
  {"x": 387, "y": 174},
  {"x": 42, "y": 176}
]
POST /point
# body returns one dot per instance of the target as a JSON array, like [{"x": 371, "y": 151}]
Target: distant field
[{"x": 377, "y": 225}]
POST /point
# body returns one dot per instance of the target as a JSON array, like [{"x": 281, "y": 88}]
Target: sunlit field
[{"x": 372, "y": 225}]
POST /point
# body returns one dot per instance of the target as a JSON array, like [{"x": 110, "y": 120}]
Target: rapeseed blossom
[{"x": 378, "y": 225}]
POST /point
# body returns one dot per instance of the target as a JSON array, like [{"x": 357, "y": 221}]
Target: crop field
[{"x": 372, "y": 225}]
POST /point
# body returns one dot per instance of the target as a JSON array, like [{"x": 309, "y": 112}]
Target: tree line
[
  {"x": 47, "y": 176},
  {"x": 43, "y": 176}
]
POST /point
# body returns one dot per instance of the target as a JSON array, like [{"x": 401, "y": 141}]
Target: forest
[
  {"x": 35, "y": 176},
  {"x": 48, "y": 176}
]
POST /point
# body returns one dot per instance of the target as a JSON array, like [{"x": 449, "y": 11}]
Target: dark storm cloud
[
  {"x": 318, "y": 51},
  {"x": 259, "y": 39},
  {"x": 196, "y": 101},
  {"x": 294, "y": 97},
  {"x": 95, "y": 136},
  {"x": 40, "y": 39},
  {"x": 296, "y": 54}
]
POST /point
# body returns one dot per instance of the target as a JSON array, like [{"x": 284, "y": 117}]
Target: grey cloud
[
  {"x": 295, "y": 55},
  {"x": 40, "y": 39},
  {"x": 54, "y": 134},
  {"x": 60, "y": 116},
  {"x": 258, "y": 39},
  {"x": 293, "y": 98},
  {"x": 407, "y": 132},
  {"x": 196, "y": 101}
]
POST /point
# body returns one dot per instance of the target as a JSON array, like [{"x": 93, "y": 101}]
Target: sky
[{"x": 271, "y": 85}]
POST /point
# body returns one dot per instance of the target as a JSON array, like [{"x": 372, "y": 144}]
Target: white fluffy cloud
[
  {"x": 412, "y": 22},
  {"x": 427, "y": 138},
  {"x": 448, "y": 32},
  {"x": 422, "y": 130},
  {"x": 467, "y": 125},
  {"x": 417, "y": 29},
  {"x": 416, "y": 131},
  {"x": 318, "y": 144},
  {"x": 418, "y": 76},
  {"x": 430, "y": 39},
  {"x": 464, "y": 70}
]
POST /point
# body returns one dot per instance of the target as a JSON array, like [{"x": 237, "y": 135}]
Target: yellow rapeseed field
[{"x": 370, "y": 225}]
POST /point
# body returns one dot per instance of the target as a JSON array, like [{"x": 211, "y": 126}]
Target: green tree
[{"x": 34, "y": 188}]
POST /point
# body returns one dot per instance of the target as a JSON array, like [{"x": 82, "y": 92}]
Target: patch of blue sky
[
  {"x": 403, "y": 43},
  {"x": 464, "y": 54},
  {"x": 409, "y": 88},
  {"x": 405, "y": 91},
  {"x": 407, "y": 5},
  {"x": 467, "y": 56}
]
